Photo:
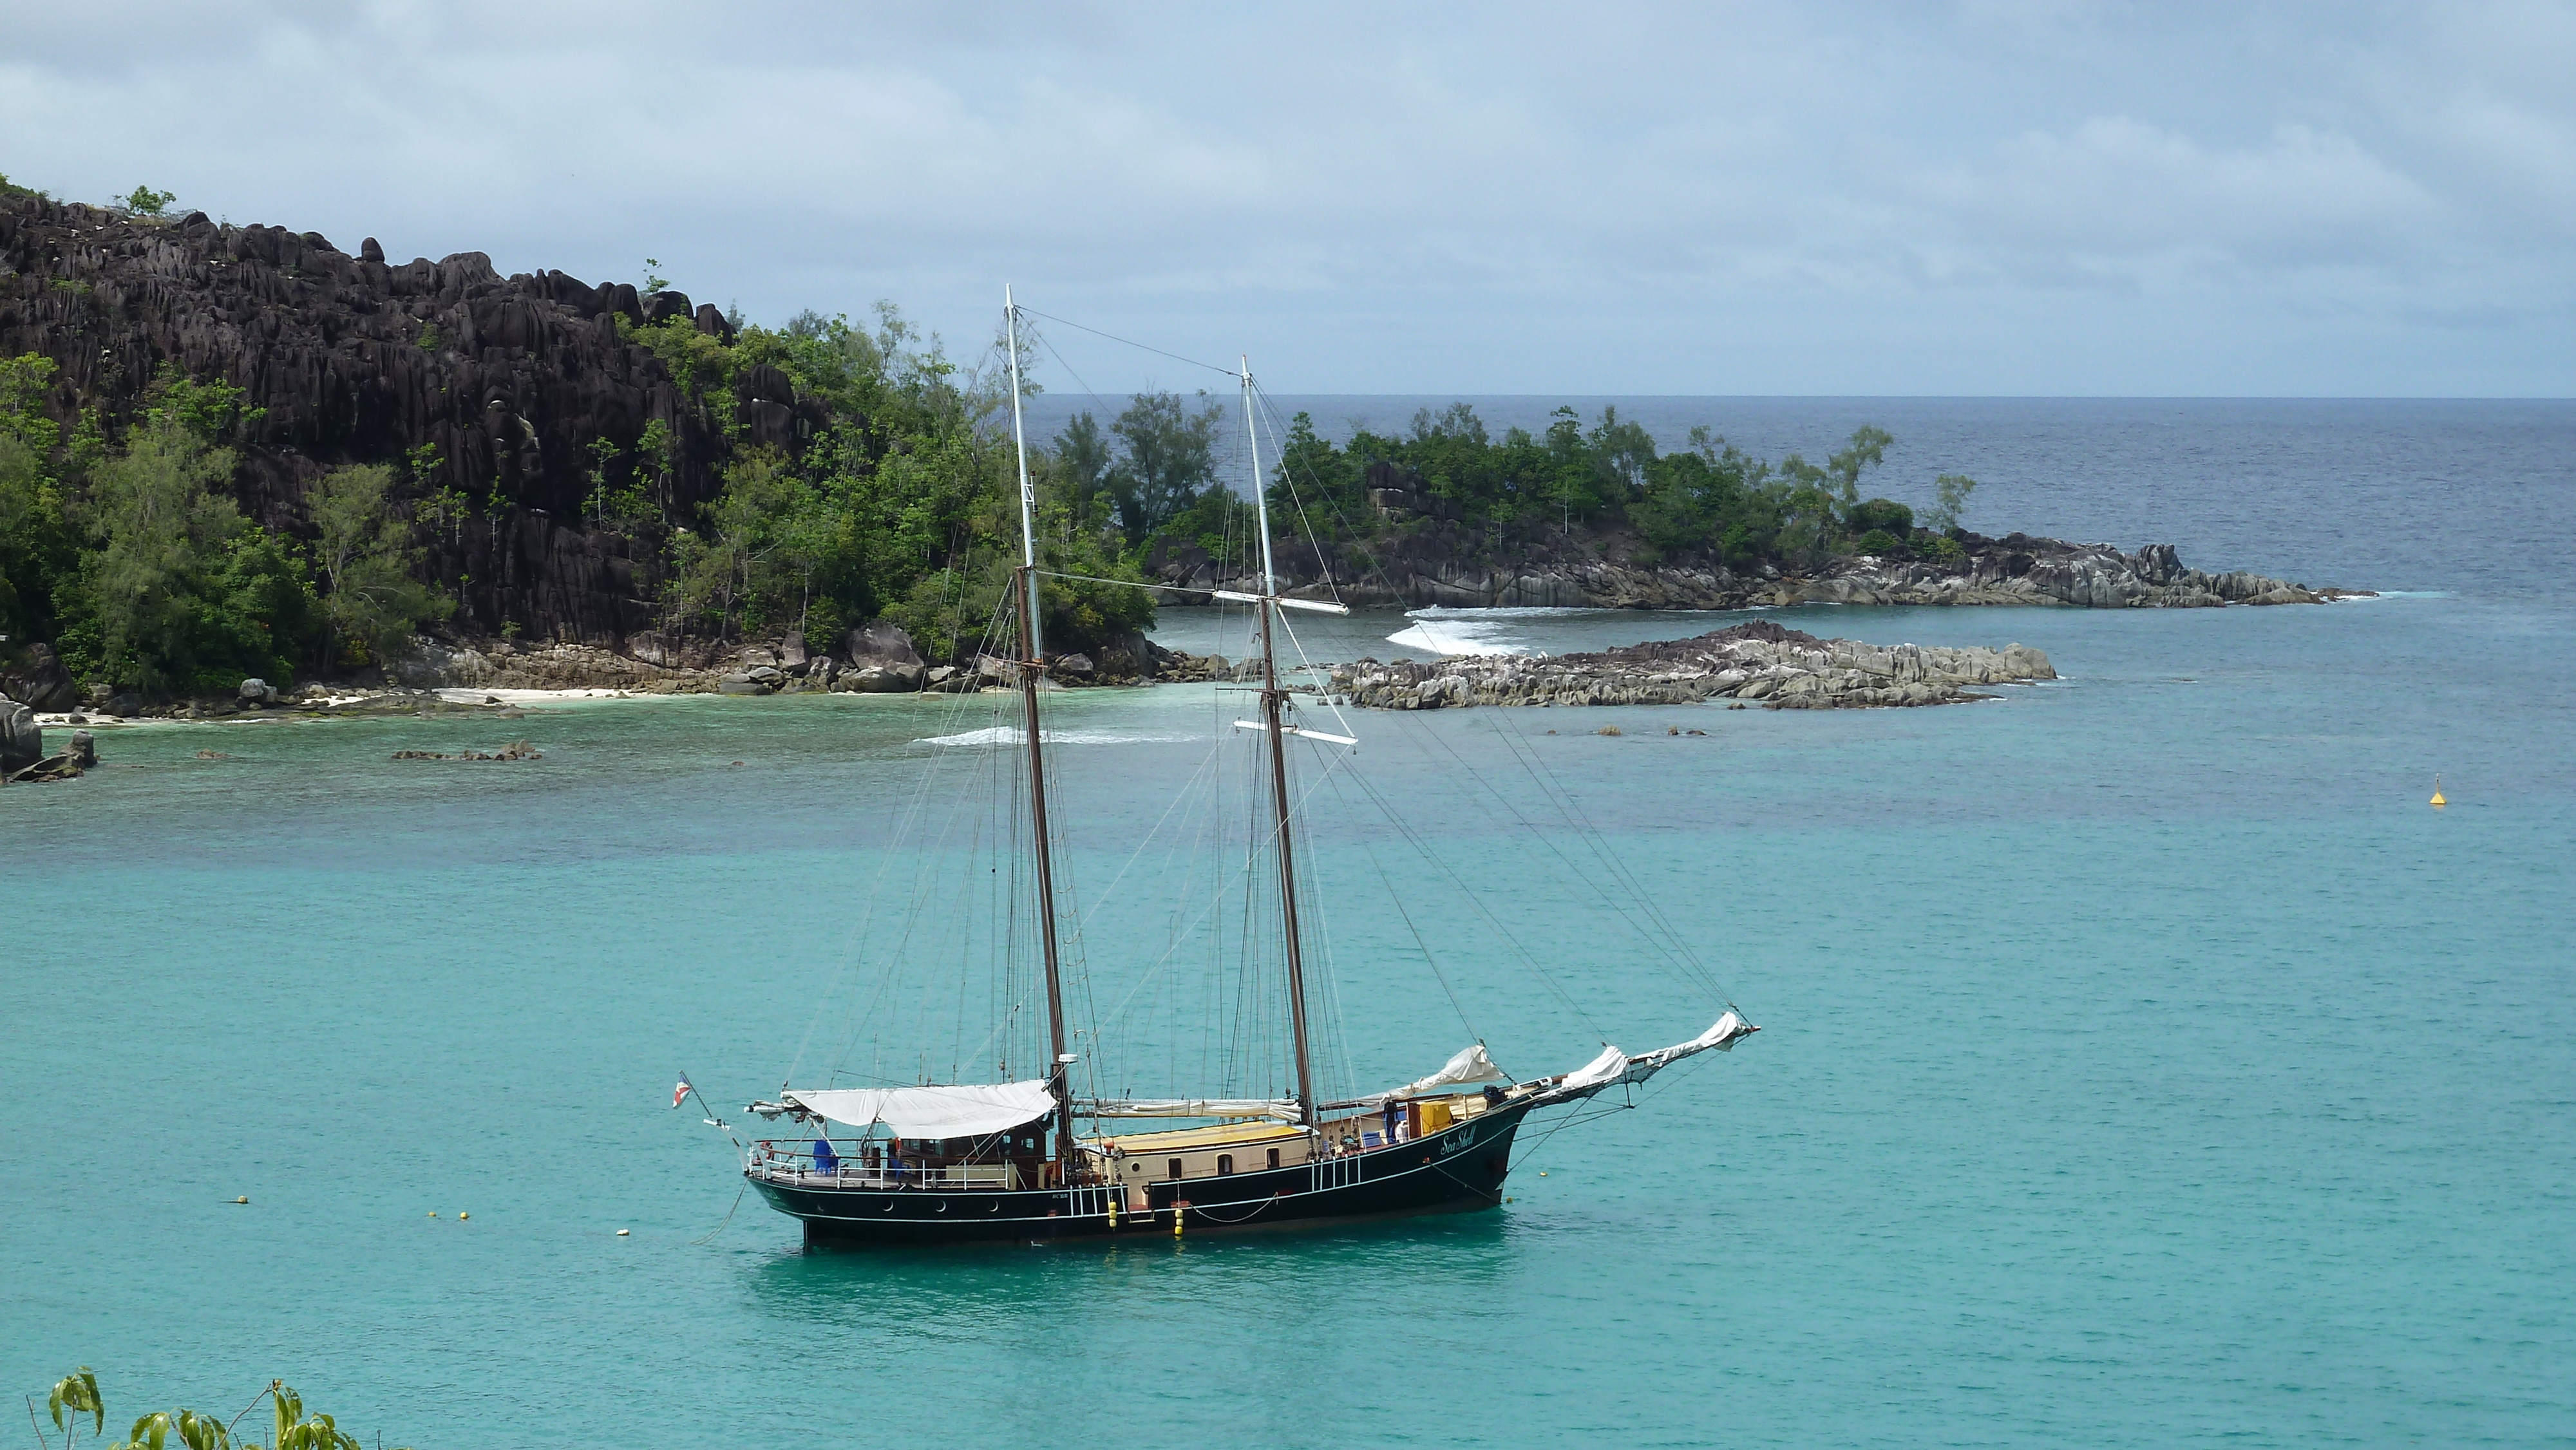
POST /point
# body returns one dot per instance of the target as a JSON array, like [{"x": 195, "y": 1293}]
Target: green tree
[
  {"x": 144, "y": 201},
  {"x": 38, "y": 553},
  {"x": 160, "y": 527},
  {"x": 1312, "y": 471},
  {"x": 1950, "y": 502},
  {"x": 1083, "y": 456},
  {"x": 729, "y": 570},
  {"x": 1880, "y": 515},
  {"x": 1167, "y": 457},
  {"x": 376, "y": 601},
  {"x": 181, "y": 593},
  {"x": 212, "y": 411},
  {"x": 1709, "y": 497}
]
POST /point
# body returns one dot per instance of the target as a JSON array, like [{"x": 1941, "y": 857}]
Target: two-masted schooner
[{"x": 1034, "y": 1159}]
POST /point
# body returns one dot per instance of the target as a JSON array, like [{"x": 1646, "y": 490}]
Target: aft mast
[
  {"x": 1274, "y": 702},
  {"x": 1030, "y": 667}
]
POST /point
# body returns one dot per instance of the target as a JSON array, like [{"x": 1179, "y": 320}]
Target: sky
[{"x": 2055, "y": 199}]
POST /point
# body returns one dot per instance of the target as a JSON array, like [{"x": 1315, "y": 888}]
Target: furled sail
[
  {"x": 1614, "y": 1066},
  {"x": 1605, "y": 1068},
  {"x": 1284, "y": 1110},
  {"x": 959, "y": 1110},
  {"x": 1471, "y": 1065}
]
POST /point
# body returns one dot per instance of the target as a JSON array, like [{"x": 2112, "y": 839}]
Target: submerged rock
[
  {"x": 1783, "y": 669},
  {"x": 515, "y": 750}
]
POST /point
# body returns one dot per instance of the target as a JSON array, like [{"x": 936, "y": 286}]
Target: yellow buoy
[
  {"x": 2437, "y": 792},
  {"x": 621, "y": 1233},
  {"x": 462, "y": 1217},
  {"x": 245, "y": 1198},
  {"x": 433, "y": 1213}
]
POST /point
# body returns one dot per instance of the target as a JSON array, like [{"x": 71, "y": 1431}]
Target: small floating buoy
[
  {"x": 245, "y": 1198},
  {"x": 1542, "y": 1173},
  {"x": 621, "y": 1233},
  {"x": 2437, "y": 792},
  {"x": 433, "y": 1213},
  {"x": 462, "y": 1217}
]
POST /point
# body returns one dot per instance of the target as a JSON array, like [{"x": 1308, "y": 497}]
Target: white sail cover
[
  {"x": 1616, "y": 1066},
  {"x": 961, "y": 1110},
  {"x": 1471, "y": 1065},
  {"x": 1285, "y": 1110},
  {"x": 1604, "y": 1068}
]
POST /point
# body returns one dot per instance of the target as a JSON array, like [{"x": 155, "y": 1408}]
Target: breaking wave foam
[
  {"x": 1446, "y": 634},
  {"x": 1007, "y": 735}
]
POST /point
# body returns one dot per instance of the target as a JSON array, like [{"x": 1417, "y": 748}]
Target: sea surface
[{"x": 2145, "y": 1062}]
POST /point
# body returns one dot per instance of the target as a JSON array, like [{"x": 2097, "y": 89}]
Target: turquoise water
[{"x": 2144, "y": 1062}]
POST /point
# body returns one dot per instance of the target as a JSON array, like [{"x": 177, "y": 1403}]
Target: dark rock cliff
[{"x": 358, "y": 360}]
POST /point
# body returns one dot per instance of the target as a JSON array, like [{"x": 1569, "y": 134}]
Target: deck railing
[{"x": 777, "y": 1164}]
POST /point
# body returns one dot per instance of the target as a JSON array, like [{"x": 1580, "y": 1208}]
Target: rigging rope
[
  {"x": 1476, "y": 902},
  {"x": 1130, "y": 342}
]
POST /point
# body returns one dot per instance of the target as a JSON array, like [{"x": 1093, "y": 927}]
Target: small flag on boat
[{"x": 681, "y": 1091}]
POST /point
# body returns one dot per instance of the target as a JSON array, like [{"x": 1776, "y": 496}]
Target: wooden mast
[
  {"x": 1030, "y": 667},
  {"x": 1274, "y": 701}
]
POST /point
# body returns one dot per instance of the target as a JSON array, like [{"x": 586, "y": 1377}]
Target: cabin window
[
  {"x": 1135, "y": 1167},
  {"x": 1176, "y": 1168},
  {"x": 1274, "y": 1157},
  {"x": 1224, "y": 1164}
]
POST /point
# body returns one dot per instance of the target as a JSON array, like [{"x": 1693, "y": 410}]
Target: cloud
[
  {"x": 2116, "y": 193},
  {"x": 1499, "y": 197}
]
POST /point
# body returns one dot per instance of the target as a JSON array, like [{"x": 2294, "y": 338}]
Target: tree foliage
[
  {"x": 179, "y": 593},
  {"x": 903, "y": 505},
  {"x": 1166, "y": 459},
  {"x": 1950, "y": 501},
  {"x": 376, "y": 599},
  {"x": 1709, "y": 499},
  {"x": 291, "y": 1426}
]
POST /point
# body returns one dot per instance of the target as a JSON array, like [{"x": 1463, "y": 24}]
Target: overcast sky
[{"x": 1985, "y": 198}]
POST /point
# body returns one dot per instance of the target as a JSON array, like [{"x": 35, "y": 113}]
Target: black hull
[{"x": 1456, "y": 1171}]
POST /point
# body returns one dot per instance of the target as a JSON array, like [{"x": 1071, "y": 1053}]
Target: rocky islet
[{"x": 1758, "y": 662}]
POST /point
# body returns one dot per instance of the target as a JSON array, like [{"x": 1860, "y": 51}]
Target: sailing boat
[{"x": 1032, "y": 1158}]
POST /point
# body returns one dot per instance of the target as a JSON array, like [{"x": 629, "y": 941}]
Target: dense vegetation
[
  {"x": 130, "y": 555},
  {"x": 1609, "y": 481},
  {"x": 125, "y": 549},
  {"x": 904, "y": 505}
]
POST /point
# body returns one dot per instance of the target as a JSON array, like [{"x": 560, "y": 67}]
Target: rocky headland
[
  {"x": 1759, "y": 662},
  {"x": 353, "y": 357}
]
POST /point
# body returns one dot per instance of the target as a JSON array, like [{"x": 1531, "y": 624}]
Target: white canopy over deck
[{"x": 958, "y": 1110}]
